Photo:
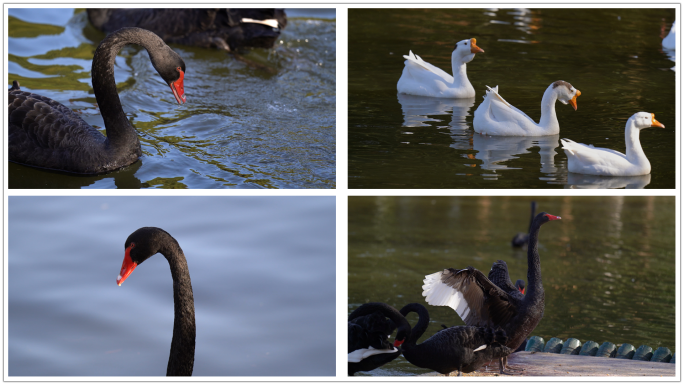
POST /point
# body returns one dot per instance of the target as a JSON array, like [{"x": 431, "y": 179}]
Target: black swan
[
  {"x": 43, "y": 133},
  {"x": 144, "y": 243},
  {"x": 463, "y": 348},
  {"x": 368, "y": 327},
  {"x": 499, "y": 276},
  {"x": 228, "y": 29},
  {"x": 480, "y": 302},
  {"x": 520, "y": 239}
]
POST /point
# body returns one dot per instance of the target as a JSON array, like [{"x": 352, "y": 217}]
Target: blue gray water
[
  {"x": 262, "y": 270},
  {"x": 240, "y": 127}
]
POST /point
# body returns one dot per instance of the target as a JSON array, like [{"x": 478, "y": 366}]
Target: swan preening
[
  {"x": 481, "y": 302},
  {"x": 587, "y": 159},
  {"x": 496, "y": 117},
  {"x": 461, "y": 348},
  {"x": 368, "y": 328},
  {"x": 140, "y": 246},
  {"x": 44, "y": 133},
  {"x": 424, "y": 79}
]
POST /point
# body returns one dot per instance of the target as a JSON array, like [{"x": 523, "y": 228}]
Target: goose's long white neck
[
  {"x": 458, "y": 68},
  {"x": 635, "y": 154},
  {"x": 548, "y": 120}
]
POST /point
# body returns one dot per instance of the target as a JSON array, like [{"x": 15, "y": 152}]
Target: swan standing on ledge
[
  {"x": 496, "y": 117},
  {"x": 589, "y": 160},
  {"x": 424, "y": 79}
]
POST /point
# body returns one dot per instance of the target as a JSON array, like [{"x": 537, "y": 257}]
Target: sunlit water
[
  {"x": 241, "y": 127},
  {"x": 614, "y": 56},
  {"x": 262, "y": 270},
  {"x": 608, "y": 266}
]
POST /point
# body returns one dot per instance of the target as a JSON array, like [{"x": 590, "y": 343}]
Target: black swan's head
[
  {"x": 173, "y": 72},
  {"x": 520, "y": 284},
  {"x": 545, "y": 218},
  {"x": 140, "y": 246},
  {"x": 171, "y": 68}
]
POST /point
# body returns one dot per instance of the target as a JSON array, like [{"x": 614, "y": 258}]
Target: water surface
[
  {"x": 241, "y": 127},
  {"x": 608, "y": 267},
  {"x": 263, "y": 278},
  {"x": 614, "y": 56}
]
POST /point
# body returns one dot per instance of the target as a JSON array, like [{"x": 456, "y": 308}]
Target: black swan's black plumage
[
  {"x": 452, "y": 349},
  {"x": 144, "y": 243},
  {"x": 369, "y": 326},
  {"x": 219, "y": 28},
  {"x": 480, "y": 302},
  {"x": 43, "y": 133},
  {"x": 499, "y": 276},
  {"x": 520, "y": 239}
]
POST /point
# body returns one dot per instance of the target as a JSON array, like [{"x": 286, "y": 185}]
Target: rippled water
[
  {"x": 263, "y": 278},
  {"x": 608, "y": 266},
  {"x": 240, "y": 127},
  {"x": 614, "y": 56}
]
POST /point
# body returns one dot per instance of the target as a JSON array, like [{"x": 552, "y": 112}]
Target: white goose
[
  {"x": 424, "y": 79},
  {"x": 589, "y": 160},
  {"x": 496, "y": 117}
]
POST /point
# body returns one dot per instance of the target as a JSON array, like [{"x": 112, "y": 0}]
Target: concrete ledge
[{"x": 552, "y": 364}]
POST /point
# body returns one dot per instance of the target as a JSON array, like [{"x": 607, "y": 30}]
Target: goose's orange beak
[
  {"x": 127, "y": 267},
  {"x": 656, "y": 123},
  {"x": 177, "y": 87},
  {"x": 474, "y": 48},
  {"x": 573, "y": 102}
]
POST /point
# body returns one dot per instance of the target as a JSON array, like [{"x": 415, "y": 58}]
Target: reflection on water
[
  {"x": 608, "y": 266},
  {"x": 416, "y": 110},
  {"x": 613, "y": 55},
  {"x": 580, "y": 181},
  {"x": 495, "y": 150}
]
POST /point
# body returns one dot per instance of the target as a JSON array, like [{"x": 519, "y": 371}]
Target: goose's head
[
  {"x": 566, "y": 92},
  {"x": 465, "y": 50},
  {"x": 645, "y": 120}
]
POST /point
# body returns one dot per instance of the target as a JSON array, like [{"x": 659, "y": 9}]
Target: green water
[
  {"x": 608, "y": 267},
  {"x": 613, "y": 56}
]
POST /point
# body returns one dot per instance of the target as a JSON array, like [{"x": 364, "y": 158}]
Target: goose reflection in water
[
  {"x": 416, "y": 110},
  {"x": 494, "y": 150},
  {"x": 580, "y": 181}
]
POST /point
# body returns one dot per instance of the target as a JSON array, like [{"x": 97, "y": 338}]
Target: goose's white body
[
  {"x": 587, "y": 159},
  {"x": 670, "y": 41},
  {"x": 421, "y": 78},
  {"x": 496, "y": 117}
]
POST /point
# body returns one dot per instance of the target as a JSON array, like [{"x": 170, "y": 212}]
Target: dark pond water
[
  {"x": 262, "y": 270},
  {"x": 608, "y": 266},
  {"x": 614, "y": 56},
  {"x": 240, "y": 127}
]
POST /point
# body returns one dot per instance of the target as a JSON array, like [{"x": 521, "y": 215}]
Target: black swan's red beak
[
  {"x": 398, "y": 342},
  {"x": 177, "y": 87},
  {"x": 522, "y": 290},
  {"x": 127, "y": 267},
  {"x": 552, "y": 217}
]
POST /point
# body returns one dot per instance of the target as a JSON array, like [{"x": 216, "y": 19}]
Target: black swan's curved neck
[
  {"x": 140, "y": 246},
  {"x": 119, "y": 130},
  {"x": 420, "y": 327},
  {"x": 182, "y": 355}
]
